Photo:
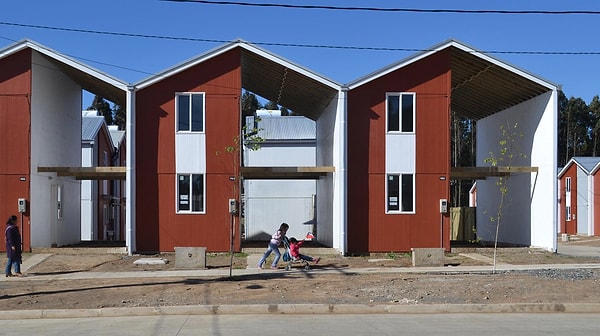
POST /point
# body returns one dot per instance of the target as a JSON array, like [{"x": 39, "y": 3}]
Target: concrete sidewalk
[{"x": 306, "y": 308}]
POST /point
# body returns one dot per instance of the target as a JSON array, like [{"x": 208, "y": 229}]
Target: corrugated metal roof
[
  {"x": 587, "y": 163},
  {"x": 90, "y": 127},
  {"x": 287, "y": 128},
  {"x": 116, "y": 135}
]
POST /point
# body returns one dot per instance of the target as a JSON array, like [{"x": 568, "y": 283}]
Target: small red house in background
[{"x": 579, "y": 203}]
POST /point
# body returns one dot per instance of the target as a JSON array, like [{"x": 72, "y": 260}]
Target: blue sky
[{"x": 134, "y": 58}]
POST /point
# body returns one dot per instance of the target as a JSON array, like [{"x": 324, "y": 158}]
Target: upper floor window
[
  {"x": 400, "y": 112},
  {"x": 190, "y": 112},
  {"x": 568, "y": 184}
]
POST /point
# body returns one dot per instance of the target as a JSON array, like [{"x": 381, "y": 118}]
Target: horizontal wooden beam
[
  {"x": 88, "y": 173},
  {"x": 285, "y": 172},
  {"x": 480, "y": 173}
]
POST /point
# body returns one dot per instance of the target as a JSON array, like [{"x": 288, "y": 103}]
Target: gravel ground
[{"x": 299, "y": 286}]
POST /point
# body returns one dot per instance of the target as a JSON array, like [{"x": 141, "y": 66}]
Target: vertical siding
[
  {"x": 104, "y": 145},
  {"x": 15, "y": 119},
  {"x": 569, "y": 227},
  {"x": 370, "y": 229},
  {"x": 596, "y": 205},
  {"x": 158, "y": 225}
]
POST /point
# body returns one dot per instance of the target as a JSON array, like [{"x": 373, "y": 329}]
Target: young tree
[
  {"x": 120, "y": 116},
  {"x": 508, "y": 152}
]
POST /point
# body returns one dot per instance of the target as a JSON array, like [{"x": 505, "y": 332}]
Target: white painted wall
[
  {"x": 272, "y": 202},
  {"x": 529, "y": 215},
  {"x": 331, "y": 189},
  {"x": 88, "y": 197},
  {"x": 583, "y": 200},
  {"x": 55, "y": 141}
]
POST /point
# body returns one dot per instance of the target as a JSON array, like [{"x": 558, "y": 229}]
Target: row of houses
[{"x": 380, "y": 168}]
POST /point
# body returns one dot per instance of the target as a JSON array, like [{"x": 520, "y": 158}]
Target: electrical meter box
[
  {"x": 443, "y": 205},
  {"x": 22, "y": 205}
]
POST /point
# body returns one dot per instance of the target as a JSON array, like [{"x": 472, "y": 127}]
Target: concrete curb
[{"x": 304, "y": 309}]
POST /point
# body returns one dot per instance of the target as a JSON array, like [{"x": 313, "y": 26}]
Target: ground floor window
[
  {"x": 190, "y": 193},
  {"x": 400, "y": 193}
]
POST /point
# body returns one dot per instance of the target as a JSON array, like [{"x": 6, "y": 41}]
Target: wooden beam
[
  {"x": 285, "y": 172},
  {"x": 480, "y": 173},
  {"x": 88, "y": 173}
]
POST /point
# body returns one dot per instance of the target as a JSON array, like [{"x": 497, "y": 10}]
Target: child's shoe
[
  {"x": 317, "y": 259},
  {"x": 274, "y": 267},
  {"x": 260, "y": 266}
]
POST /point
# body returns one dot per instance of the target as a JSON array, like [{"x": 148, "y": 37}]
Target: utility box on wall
[{"x": 190, "y": 257}]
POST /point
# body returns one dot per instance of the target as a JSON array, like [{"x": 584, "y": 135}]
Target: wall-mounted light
[
  {"x": 22, "y": 178},
  {"x": 442, "y": 178}
]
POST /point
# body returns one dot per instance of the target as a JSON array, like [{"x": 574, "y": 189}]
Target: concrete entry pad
[
  {"x": 427, "y": 256},
  {"x": 190, "y": 257},
  {"x": 150, "y": 261}
]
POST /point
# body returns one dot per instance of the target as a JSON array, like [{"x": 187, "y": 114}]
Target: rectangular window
[
  {"x": 400, "y": 193},
  {"x": 190, "y": 193},
  {"x": 400, "y": 112},
  {"x": 568, "y": 184},
  {"x": 190, "y": 112},
  {"x": 568, "y": 213}
]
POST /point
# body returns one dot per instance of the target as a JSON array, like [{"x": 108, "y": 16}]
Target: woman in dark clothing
[{"x": 13, "y": 247}]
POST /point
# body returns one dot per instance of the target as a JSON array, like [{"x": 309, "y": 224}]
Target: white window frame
[
  {"x": 399, "y": 96},
  {"x": 399, "y": 199},
  {"x": 191, "y": 107},
  {"x": 568, "y": 199},
  {"x": 179, "y": 199}
]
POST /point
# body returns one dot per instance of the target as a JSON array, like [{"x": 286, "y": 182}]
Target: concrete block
[
  {"x": 427, "y": 256},
  {"x": 190, "y": 257}
]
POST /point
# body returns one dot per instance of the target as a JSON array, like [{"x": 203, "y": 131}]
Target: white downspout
[
  {"x": 590, "y": 204},
  {"x": 130, "y": 174},
  {"x": 343, "y": 179}
]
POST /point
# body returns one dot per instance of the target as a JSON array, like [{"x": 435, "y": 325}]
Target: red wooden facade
[
  {"x": 568, "y": 225},
  {"x": 596, "y": 203},
  {"x": 104, "y": 190},
  {"x": 370, "y": 229},
  {"x": 159, "y": 227},
  {"x": 15, "y": 120}
]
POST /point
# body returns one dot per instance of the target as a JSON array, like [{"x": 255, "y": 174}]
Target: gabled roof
[
  {"x": 90, "y": 126},
  {"x": 301, "y": 90},
  {"x": 89, "y": 78},
  {"x": 117, "y": 135},
  {"x": 588, "y": 164},
  {"x": 481, "y": 85}
]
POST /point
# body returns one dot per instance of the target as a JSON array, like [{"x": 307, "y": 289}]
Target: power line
[
  {"x": 379, "y": 9},
  {"x": 316, "y": 46}
]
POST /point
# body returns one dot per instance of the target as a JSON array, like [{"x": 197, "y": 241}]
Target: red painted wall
[
  {"x": 158, "y": 226},
  {"x": 15, "y": 121},
  {"x": 370, "y": 229},
  {"x": 596, "y": 204},
  {"x": 104, "y": 188},
  {"x": 569, "y": 227}
]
